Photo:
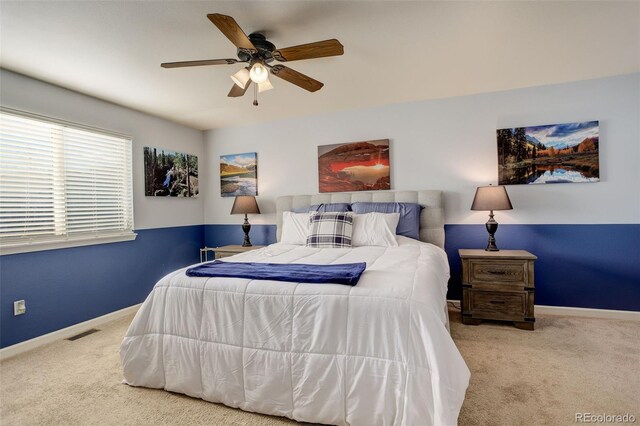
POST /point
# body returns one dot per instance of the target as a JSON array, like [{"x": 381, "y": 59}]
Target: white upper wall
[
  {"x": 26, "y": 94},
  {"x": 450, "y": 144}
]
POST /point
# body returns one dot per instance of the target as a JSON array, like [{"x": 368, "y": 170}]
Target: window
[{"x": 62, "y": 184}]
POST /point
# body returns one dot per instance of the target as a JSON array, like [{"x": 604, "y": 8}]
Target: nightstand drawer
[
  {"x": 498, "y": 285},
  {"x": 498, "y": 305},
  {"x": 504, "y": 272}
]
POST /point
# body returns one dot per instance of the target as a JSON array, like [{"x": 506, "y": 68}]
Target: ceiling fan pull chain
[{"x": 255, "y": 95}]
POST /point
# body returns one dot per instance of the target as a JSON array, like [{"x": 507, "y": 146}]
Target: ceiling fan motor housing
[{"x": 265, "y": 49}]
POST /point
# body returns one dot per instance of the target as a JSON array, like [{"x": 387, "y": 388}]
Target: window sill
[{"x": 54, "y": 245}]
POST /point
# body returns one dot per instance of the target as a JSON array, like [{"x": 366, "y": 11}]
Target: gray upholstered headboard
[{"x": 431, "y": 217}]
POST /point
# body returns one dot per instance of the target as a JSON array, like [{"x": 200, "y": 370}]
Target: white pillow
[
  {"x": 375, "y": 229},
  {"x": 295, "y": 228}
]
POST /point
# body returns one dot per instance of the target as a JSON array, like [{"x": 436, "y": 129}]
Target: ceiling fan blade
[
  {"x": 236, "y": 91},
  {"x": 319, "y": 49},
  {"x": 230, "y": 28},
  {"x": 296, "y": 78},
  {"x": 199, "y": 63}
]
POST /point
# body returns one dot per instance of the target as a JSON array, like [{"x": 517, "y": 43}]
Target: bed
[{"x": 377, "y": 353}]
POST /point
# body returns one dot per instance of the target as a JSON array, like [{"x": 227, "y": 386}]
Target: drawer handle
[
  {"x": 497, "y": 302},
  {"x": 498, "y": 272}
]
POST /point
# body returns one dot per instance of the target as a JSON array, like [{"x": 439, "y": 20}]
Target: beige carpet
[{"x": 567, "y": 365}]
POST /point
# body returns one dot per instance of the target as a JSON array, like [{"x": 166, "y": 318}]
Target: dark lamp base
[
  {"x": 492, "y": 227},
  {"x": 491, "y": 248},
  {"x": 246, "y": 227}
]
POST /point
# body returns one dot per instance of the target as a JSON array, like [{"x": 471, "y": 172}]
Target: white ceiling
[{"x": 394, "y": 51}]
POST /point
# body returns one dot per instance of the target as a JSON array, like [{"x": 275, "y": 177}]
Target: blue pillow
[
  {"x": 325, "y": 208},
  {"x": 409, "y": 223}
]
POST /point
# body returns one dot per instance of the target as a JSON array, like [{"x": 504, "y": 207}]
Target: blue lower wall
[
  {"x": 586, "y": 266},
  {"x": 67, "y": 286},
  {"x": 589, "y": 266}
]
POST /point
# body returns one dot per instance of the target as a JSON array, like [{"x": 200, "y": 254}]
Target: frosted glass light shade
[
  {"x": 241, "y": 78},
  {"x": 264, "y": 86},
  {"x": 258, "y": 73}
]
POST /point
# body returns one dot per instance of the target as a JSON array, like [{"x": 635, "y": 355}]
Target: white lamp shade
[
  {"x": 264, "y": 86},
  {"x": 258, "y": 73},
  {"x": 241, "y": 78}
]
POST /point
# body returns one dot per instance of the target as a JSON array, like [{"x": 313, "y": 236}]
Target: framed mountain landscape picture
[
  {"x": 238, "y": 174},
  {"x": 554, "y": 153},
  {"x": 170, "y": 174},
  {"x": 355, "y": 166}
]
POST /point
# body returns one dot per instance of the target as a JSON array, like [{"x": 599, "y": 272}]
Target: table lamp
[
  {"x": 491, "y": 198},
  {"x": 245, "y": 204}
]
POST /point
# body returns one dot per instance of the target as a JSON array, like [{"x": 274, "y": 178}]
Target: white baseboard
[
  {"x": 64, "y": 333},
  {"x": 578, "y": 312},
  {"x": 587, "y": 312}
]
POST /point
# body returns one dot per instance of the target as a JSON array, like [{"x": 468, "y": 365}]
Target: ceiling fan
[{"x": 259, "y": 53}]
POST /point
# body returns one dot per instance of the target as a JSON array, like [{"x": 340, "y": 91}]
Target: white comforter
[{"x": 375, "y": 354}]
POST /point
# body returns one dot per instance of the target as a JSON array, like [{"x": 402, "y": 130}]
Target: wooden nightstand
[
  {"x": 225, "y": 251},
  {"x": 498, "y": 285}
]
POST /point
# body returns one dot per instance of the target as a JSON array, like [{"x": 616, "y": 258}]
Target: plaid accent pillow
[{"x": 330, "y": 230}]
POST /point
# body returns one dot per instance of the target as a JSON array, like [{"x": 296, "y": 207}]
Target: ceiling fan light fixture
[
  {"x": 264, "y": 86},
  {"x": 258, "y": 74},
  {"x": 241, "y": 78}
]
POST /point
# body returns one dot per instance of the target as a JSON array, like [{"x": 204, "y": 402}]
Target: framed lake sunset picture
[
  {"x": 554, "y": 153},
  {"x": 355, "y": 166},
  {"x": 238, "y": 174}
]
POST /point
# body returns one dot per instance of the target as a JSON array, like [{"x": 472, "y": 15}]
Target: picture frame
[
  {"x": 354, "y": 166},
  {"x": 239, "y": 174},
  {"x": 553, "y": 153},
  {"x": 169, "y": 173}
]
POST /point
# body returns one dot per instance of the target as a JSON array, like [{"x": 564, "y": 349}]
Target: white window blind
[{"x": 60, "y": 182}]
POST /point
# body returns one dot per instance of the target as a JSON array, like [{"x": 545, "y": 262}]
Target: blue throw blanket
[{"x": 346, "y": 273}]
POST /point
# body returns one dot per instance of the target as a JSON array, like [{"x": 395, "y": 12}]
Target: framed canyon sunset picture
[
  {"x": 554, "y": 153},
  {"x": 355, "y": 166}
]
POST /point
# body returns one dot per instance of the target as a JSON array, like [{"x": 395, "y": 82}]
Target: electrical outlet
[{"x": 19, "y": 307}]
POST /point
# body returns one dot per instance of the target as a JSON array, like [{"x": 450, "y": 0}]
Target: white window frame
[{"x": 67, "y": 241}]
